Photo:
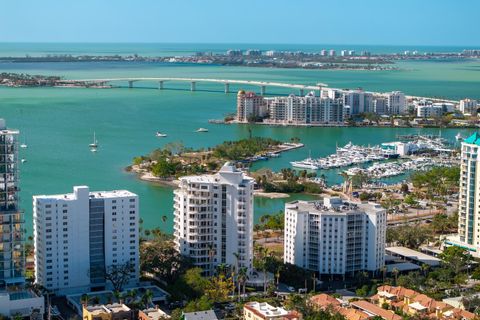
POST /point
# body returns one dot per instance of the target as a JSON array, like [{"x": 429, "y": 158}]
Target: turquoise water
[{"x": 58, "y": 123}]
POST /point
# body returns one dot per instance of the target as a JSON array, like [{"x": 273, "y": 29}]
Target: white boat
[
  {"x": 202, "y": 130},
  {"x": 24, "y": 143},
  {"x": 93, "y": 149},
  {"x": 160, "y": 135},
  {"x": 94, "y": 145},
  {"x": 305, "y": 164},
  {"x": 458, "y": 137},
  {"x": 24, "y": 160}
]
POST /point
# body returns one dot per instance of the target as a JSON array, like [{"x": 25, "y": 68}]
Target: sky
[{"x": 373, "y": 22}]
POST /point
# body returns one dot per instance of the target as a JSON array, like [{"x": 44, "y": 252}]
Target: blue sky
[{"x": 392, "y": 22}]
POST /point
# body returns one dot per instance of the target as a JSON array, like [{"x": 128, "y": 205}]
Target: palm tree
[
  {"x": 222, "y": 269},
  {"x": 277, "y": 274},
  {"x": 211, "y": 254},
  {"x": 424, "y": 267},
  {"x": 395, "y": 273},
  {"x": 242, "y": 279},
  {"x": 235, "y": 271},
  {"x": 85, "y": 299},
  {"x": 147, "y": 298},
  {"x": 383, "y": 270}
]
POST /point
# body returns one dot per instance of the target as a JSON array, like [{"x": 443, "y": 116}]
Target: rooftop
[
  {"x": 334, "y": 205},
  {"x": 93, "y": 194},
  {"x": 413, "y": 255},
  {"x": 266, "y": 310},
  {"x": 155, "y": 314},
  {"x": 473, "y": 139},
  {"x": 375, "y": 310},
  {"x": 200, "y": 315}
]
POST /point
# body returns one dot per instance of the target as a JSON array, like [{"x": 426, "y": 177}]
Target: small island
[{"x": 165, "y": 165}]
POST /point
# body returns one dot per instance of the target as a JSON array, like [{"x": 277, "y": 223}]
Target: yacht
[
  {"x": 160, "y": 135},
  {"x": 94, "y": 145},
  {"x": 202, "y": 130},
  {"x": 458, "y": 137},
  {"x": 24, "y": 160},
  {"x": 305, "y": 164}
]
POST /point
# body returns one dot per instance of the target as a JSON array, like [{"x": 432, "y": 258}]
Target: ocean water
[{"x": 58, "y": 123}]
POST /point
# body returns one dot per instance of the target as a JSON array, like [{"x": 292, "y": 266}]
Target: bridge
[{"x": 193, "y": 82}]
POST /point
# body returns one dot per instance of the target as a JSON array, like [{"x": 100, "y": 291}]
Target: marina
[{"x": 393, "y": 169}]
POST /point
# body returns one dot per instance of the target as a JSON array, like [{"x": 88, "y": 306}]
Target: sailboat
[
  {"x": 24, "y": 144},
  {"x": 93, "y": 146}
]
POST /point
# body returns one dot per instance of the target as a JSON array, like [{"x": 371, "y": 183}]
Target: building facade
[
  {"x": 335, "y": 237},
  {"x": 396, "y": 103},
  {"x": 80, "y": 235},
  {"x": 12, "y": 266},
  {"x": 250, "y": 106},
  {"x": 359, "y": 101},
  {"x": 468, "y": 106},
  {"x": 307, "y": 110},
  {"x": 15, "y": 299},
  {"x": 213, "y": 221}
]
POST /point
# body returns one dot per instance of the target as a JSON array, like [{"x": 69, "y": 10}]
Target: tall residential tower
[
  {"x": 12, "y": 261},
  {"x": 80, "y": 235},
  {"x": 214, "y": 219},
  {"x": 334, "y": 236}
]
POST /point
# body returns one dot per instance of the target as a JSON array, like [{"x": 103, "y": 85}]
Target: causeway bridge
[{"x": 193, "y": 83}]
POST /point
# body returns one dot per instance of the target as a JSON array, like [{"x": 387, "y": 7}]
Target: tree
[
  {"x": 119, "y": 275},
  {"x": 395, "y": 273},
  {"x": 456, "y": 259},
  {"x": 219, "y": 287},
  {"x": 162, "y": 260}
]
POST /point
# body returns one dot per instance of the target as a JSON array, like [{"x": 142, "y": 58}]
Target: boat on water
[
  {"x": 24, "y": 160},
  {"x": 459, "y": 137},
  {"x": 305, "y": 164},
  {"x": 202, "y": 130},
  {"x": 160, "y": 135},
  {"x": 94, "y": 144}
]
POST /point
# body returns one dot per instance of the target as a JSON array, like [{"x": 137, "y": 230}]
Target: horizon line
[{"x": 235, "y": 43}]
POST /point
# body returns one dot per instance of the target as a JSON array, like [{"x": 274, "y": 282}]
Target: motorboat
[
  {"x": 305, "y": 164},
  {"x": 160, "y": 135},
  {"x": 202, "y": 130},
  {"x": 459, "y": 137}
]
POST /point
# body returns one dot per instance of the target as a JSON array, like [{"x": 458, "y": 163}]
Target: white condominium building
[
  {"x": 429, "y": 111},
  {"x": 468, "y": 209},
  {"x": 358, "y": 100},
  {"x": 250, "y": 106},
  {"x": 80, "y": 235},
  {"x": 305, "y": 110},
  {"x": 396, "y": 103},
  {"x": 214, "y": 219},
  {"x": 469, "y": 106},
  {"x": 334, "y": 236}
]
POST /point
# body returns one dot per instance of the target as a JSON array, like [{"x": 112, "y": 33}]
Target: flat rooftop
[
  {"x": 413, "y": 255},
  {"x": 334, "y": 206},
  {"x": 93, "y": 194}
]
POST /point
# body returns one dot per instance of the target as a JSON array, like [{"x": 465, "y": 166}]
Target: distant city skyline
[{"x": 372, "y": 22}]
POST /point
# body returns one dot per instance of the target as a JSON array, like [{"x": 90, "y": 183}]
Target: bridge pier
[
  {"x": 160, "y": 85},
  {"x": 193, "y": 86},
  {"x": 130, "y": 84},
  {"x": 227, "y": 87},
  {"x": 262, "y": 90}
]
